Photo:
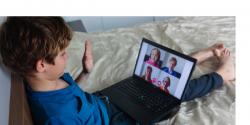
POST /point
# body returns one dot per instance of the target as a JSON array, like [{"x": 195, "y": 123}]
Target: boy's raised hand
[{"x": 87, "y": 60}]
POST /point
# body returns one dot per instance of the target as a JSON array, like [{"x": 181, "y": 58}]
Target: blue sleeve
[
  {"x": 202, "y": 86},
  {"x": 64, "y": 121}
]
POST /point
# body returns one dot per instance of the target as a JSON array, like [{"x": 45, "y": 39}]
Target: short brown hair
[
  {"x": 25, "y": 40},
  {"x": 173, "y": 59}
]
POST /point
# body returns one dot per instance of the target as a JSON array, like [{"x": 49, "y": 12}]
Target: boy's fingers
[{"x": 88, "y": 48}]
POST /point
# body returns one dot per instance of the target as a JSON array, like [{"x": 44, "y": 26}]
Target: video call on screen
[{"x": 163, "y": 69}]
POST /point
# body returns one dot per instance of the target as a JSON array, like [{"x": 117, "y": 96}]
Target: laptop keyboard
[{"x": 154, "y": 102}]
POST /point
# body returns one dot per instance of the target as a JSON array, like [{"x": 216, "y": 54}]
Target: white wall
[
  {"x": 102, "y": 23},
  {"x": 115, "y": 22}
]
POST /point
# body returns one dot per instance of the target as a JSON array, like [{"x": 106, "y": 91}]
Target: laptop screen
[{"x": 165, "y": 68}]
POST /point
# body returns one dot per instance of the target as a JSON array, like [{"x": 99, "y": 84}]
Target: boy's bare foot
[
  {"x": 226, "y": 68},
  {"x": 212, "y": 51},
  {"x": 217, "y": 49},
  {"x": 87, "y": 60}
]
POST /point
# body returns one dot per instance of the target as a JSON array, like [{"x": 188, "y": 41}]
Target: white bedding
[{"x": 115, "y": 53}]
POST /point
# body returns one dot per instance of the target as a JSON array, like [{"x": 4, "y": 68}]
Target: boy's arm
[
  {"x": 82, "y": 78},
  {"x": 87, "y": 63}
]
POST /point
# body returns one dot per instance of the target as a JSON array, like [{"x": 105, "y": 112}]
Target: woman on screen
[
  {"x": 165, "y": 84},
  {"x": 154, "y": 58}
]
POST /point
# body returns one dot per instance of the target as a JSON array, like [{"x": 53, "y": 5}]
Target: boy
[{"x": 34, "y": 48}]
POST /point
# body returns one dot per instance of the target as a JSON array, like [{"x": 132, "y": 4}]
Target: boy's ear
[{"x": 40, "y": 65}]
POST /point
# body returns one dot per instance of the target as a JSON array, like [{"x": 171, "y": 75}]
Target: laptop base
[{"x": 138, "y": 111}]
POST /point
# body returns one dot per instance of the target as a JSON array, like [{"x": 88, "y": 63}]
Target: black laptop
[{"x": 155, "y": 90}]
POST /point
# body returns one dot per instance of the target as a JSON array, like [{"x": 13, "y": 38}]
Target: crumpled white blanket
[{"x": 115, "y": 54}]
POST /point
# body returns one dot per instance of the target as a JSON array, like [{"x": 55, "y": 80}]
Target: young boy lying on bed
[{"x": 34, "y": 48}]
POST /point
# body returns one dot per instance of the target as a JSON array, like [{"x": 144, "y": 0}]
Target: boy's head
[{"x": 31, "y": 45}]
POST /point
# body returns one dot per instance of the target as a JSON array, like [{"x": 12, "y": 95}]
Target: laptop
[{"x": 155, "y": 89}]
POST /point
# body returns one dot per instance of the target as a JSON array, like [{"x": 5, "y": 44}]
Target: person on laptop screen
[
  {"x": 147, "y": 75},
  {"x": 165, "y": 84},
  {"x": 170, "y": 69},
  {"x": 154, "y": 58}
]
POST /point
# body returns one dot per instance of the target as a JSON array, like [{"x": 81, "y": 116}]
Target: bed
[{"x": 115, "y": 52}]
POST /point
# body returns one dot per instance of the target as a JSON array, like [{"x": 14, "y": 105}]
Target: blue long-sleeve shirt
[{"x": 68, "y": 106}]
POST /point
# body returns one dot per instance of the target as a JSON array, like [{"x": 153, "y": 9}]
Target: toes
[
  {"x": 220, "y": 46},
  {"x": 218, "y": 49},
  {"x": 227, "y": 52},
  {"x": 217, "y": 53}
]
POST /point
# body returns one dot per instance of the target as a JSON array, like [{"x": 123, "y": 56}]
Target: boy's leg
[
  {"x": 214, "y": 50},
  {"x": 206, "y": 83},
  {"x": 202, "y": 86}
]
